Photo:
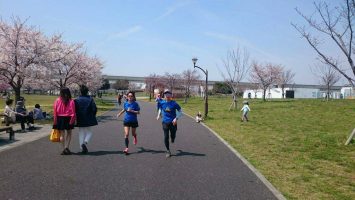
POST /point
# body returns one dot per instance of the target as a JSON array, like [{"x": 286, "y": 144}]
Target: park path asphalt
[{"x": 201, "y": 167}]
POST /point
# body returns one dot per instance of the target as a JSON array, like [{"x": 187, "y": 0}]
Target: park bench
[
  {"x": 8, "y": 129},
  {"x": 7, "y": 120}
]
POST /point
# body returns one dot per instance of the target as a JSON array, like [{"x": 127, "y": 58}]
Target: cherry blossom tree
[
  {"x": 3, "y": 86},
  {"x": 30, "y": 59},
  {"x": 152, "y": 82},
  {"x": 66, "y": 72},
  {"x": 172, "y": 80},
  {"x": 90, "y": 74},
  {"x": 24, "y": 50},
  {"x": 265, "y": 75}
]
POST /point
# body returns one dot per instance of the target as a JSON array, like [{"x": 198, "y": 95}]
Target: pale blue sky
[{"x": 140, "y": 37}]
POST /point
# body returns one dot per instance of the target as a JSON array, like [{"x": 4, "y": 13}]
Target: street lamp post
[{"x": 194, "y": 60}]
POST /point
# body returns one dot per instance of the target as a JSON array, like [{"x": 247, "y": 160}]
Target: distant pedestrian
[
  {"x": 86, "y": 110},
  {"x": 245, "y": 110},
  {"x": 119, "y": 99},
  {"x": 171, "y": 112},
  {"x": 64, "y": 118},
  {"x": 130, "y": 121},
  {"x": 158, "y": 99}
]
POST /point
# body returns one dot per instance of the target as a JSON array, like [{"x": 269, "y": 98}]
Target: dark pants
[
  {"x": 24, "y": 119},
  {"x": 169, "y": 127}
]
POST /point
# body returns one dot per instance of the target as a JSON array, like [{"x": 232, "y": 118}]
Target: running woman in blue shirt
[
  {"x": 130, "y": 121},
  {"x": 171, "y": 112}
]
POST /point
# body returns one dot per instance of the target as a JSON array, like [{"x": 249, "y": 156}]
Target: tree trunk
[
  {"x": 264, "y": 94},
  {"x": 150, "y": 93},
  {"x": 186, "y": 95},
  {"x": 234, "y": 103},
  {"x": 17, "y": 93}
]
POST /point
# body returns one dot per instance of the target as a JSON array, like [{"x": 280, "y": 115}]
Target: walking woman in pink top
[{"x": 64, "y": 118}]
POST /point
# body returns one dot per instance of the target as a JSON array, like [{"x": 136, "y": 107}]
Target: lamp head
[{"x": 194, "y": 60}]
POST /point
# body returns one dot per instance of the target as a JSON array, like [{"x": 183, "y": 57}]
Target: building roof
[{"x": 245, "y": 84}]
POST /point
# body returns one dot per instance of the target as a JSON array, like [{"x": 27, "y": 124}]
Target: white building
[
  {"x": 347, "y": 92},
  {"x": 296, "y": 91}
]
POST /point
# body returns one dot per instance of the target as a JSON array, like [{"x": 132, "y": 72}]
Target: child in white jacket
[{"x": 245, "y": 110}]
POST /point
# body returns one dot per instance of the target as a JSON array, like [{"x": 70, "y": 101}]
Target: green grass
[
  {"x": 47, "y": 101},
  {"x": 298, "y": 145}
]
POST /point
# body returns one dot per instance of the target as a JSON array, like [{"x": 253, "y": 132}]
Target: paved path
[
  {"x": 201, "y": 166},
  {"x": 41, "y": 131}
]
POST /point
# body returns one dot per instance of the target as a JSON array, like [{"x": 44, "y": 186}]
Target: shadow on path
[
  {"x": 179, "y": 152},
  {"x": 184, "y": 153},
  {"x": 103, "y": 119},
  {"x": 97, "y": 153},
  {"x": 143, "y": 150}
]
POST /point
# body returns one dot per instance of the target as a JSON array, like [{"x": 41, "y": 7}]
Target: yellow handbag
[{"x": 55, "y": 136}]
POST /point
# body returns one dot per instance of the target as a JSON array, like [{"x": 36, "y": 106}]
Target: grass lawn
[
  {"x": 298, "y": 145},
  {"x": 47, "y": 101}
]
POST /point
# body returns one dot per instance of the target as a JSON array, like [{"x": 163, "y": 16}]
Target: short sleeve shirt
[
  {"x": 168, "y": 109},
  {"x": 129, "y": 116}
]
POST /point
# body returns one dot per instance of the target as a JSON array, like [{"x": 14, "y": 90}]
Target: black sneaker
[
  {"x": 84, "y": 149},
  {"x": 67, "y": 151},
  {"x": 168, "y": 154},
  {"x": 172, "y": 140}
]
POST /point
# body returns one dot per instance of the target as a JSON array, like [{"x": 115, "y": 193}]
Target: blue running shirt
[
  {"x": 129, "y": 116},
  {"x": 168, "y": 109}
]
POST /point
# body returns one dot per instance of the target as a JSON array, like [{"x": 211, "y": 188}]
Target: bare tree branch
[
  {"x": 336, "y": 24},
  {"x": 236, "y": 66}
]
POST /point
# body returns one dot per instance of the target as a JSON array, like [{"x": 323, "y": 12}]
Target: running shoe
[
  {"x": 67, "y": 151},
  {"x": 125, "y": 151},
  {"x": 135, "y": 140},
  {"x": 168, "y": 154},
  {"x": 84, "y": 149}
]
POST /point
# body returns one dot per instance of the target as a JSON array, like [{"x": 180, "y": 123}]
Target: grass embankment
[
  {"x": 47, "y": 101},
  {"x": 298, "y": 145}
]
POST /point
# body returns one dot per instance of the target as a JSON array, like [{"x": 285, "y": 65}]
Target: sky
[{"x": 138, "y": 38}]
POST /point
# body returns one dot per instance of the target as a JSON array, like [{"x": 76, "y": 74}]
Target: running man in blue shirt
[
  {"x": 171, "y": 112},
  {"x": 131, "y": 109}
]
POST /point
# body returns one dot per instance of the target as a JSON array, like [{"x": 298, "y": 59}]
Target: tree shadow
[{"x": 184, "y": 153}]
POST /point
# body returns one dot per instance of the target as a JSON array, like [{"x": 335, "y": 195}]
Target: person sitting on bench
[
  {"x": 24, "y": 118},
  {"x": 9, "y": 113}
]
